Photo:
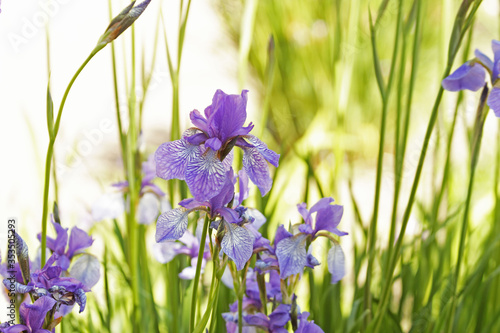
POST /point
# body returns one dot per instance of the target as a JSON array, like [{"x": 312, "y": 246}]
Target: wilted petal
[
  {"x": 336, "y": 263},
  {"x": 268, "y": 154},
  {"x": 149, "y": 208},
  {"x": 237, "y": 244},
  {"x": 466, "y": 77},
  {"x": 172, "y": 159},
  {"x": 79, "y": 240},
  {"x": 257, "y": 169},
  {"x": 23, "y": 257},
  {"x": 205, "y": 175},
  {"x": 109, "y": 206},
  {"x": 86, "y": 269},
  {"x": 81, "y": 299},
  {"x": 494, "y": 101},
  {"x": 292, "y": 255},
  {"x": 172, "y": 224}
]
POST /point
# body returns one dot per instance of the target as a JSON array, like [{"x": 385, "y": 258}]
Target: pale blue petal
[
  {"x": 257, "y": 169},
  {"x": 292, "y": 255},
  {"x": 166, "y": 251},
  {"x": 86, "y": 269},
  {"x": 336, "y": 263},
  {"x": 172, "y": 224},
  {"x": 149, "y": 208},
  {"x": 237, "y": 244},
  {"x": 173, "y": 157},
  {"x": 205, "y": 175}
]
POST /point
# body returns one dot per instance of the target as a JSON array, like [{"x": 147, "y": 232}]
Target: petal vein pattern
[
  {"x": 205, "y": 175},
  {"x": 172, "y": 224},
  {"x": 173, "y": 157}
]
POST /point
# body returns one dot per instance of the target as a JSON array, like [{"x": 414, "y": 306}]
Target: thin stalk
[
  {"x": 385, "y": 93},
  {"x": 50, "y": 153},
  {"x": 197, "y": 274},
  {"x": 459, "y": 30},
  {"x": 476, "y": 147}
]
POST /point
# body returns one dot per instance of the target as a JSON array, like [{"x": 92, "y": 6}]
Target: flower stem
[
  {"x": 476, "y": 147},
  {"x": 197, "y": 274},
  {"x": 50, "y": 153}
]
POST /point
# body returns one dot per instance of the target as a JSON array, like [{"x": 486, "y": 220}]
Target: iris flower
[
  {"x": 203, "y": 156},
  {"x": 33, "y": 317},
  {"x": 472, "y": 76}
]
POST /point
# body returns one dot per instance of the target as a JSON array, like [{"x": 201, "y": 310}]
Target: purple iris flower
[
  {"x": 79, "y": 240},
  {"x": 291, "y": 251},
  {"x": 203, "y": 155},
  {"x": 237, "y": 241},
  {"x": 188, "y": 245},
  {"x": 151, "y": 201},
  {"x": 48, "y": 282},
  {"x": 276, "y": 321},
  {"x": 472, "y": 76},
  {"x": 306, "y": 326},
  {"x": 33, "y": 317}
]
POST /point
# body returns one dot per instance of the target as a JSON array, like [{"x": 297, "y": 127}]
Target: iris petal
[
  {"x": 205, "y": 175},
  {"x": 237, "y": 244},
  {"x": 336, "y": 263},
  {"x": 172, "y": 159},
  {"x": 494, "y": 101},
  {"x": 292, "y": 255},
  {"x": 257, "y": 169},
  {"x": 466, "y": 77},
  {"x": 172, "y": 224}
]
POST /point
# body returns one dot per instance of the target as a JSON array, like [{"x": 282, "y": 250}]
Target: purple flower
[
  {"x": 79, "y": 240},
  {"x": 33, "y": 316},
  {"x": 307, "y": 326},
  {"x": 237, "y": 241},
  {"x": 276, "y": 321},
  {"x": 472, "y": 76},
  {"x": 203, "y": 155},
  {"x": 291, "y": 251}
]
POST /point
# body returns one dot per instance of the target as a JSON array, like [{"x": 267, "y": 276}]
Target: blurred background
[{"x": 313, "y": 98}]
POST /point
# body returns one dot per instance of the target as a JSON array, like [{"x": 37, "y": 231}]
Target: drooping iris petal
[
  {"x": 306, "y": 326},
  {"x": 292, "y": 255},
  {"x": 329, "y": 218},
  {"x": 484, "y": 59},
  {"x": 171, "y": 225},
  {"x": 205, "y": 175},
  {"x": 34, "y": 314},
  {"x": 495, "y": 46},
  {"x": 259, "y": 319},
  {"x": 257, "y": 169},
  {"x": 494, "y": 101},
  {"x": 86, "y": 269},
  {"x": 268, "y": 154},
  {"x": 149, "y": 208},
  {"x": 280, "y": 316},
  {"x": 79, "y": 240},
  {"x": 80, "y": 299},
  {"x": 237, "y": 243},
  {"x": 336, "y": 263},
  {"x": 172, "y": 159},
  {"x": 228, "y": 161},
  {"x": 467, "y": 76}
]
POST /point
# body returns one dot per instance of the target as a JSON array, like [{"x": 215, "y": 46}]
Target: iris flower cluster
[
  {"x": 203, "y": 158},
  {"x": 55, "y": 287}
]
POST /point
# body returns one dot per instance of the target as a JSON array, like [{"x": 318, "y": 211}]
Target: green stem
[
  {"x": 476, "y": 147},
  {"x": 50, "y": 153},
  {"x": 197, "y": 274}
]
